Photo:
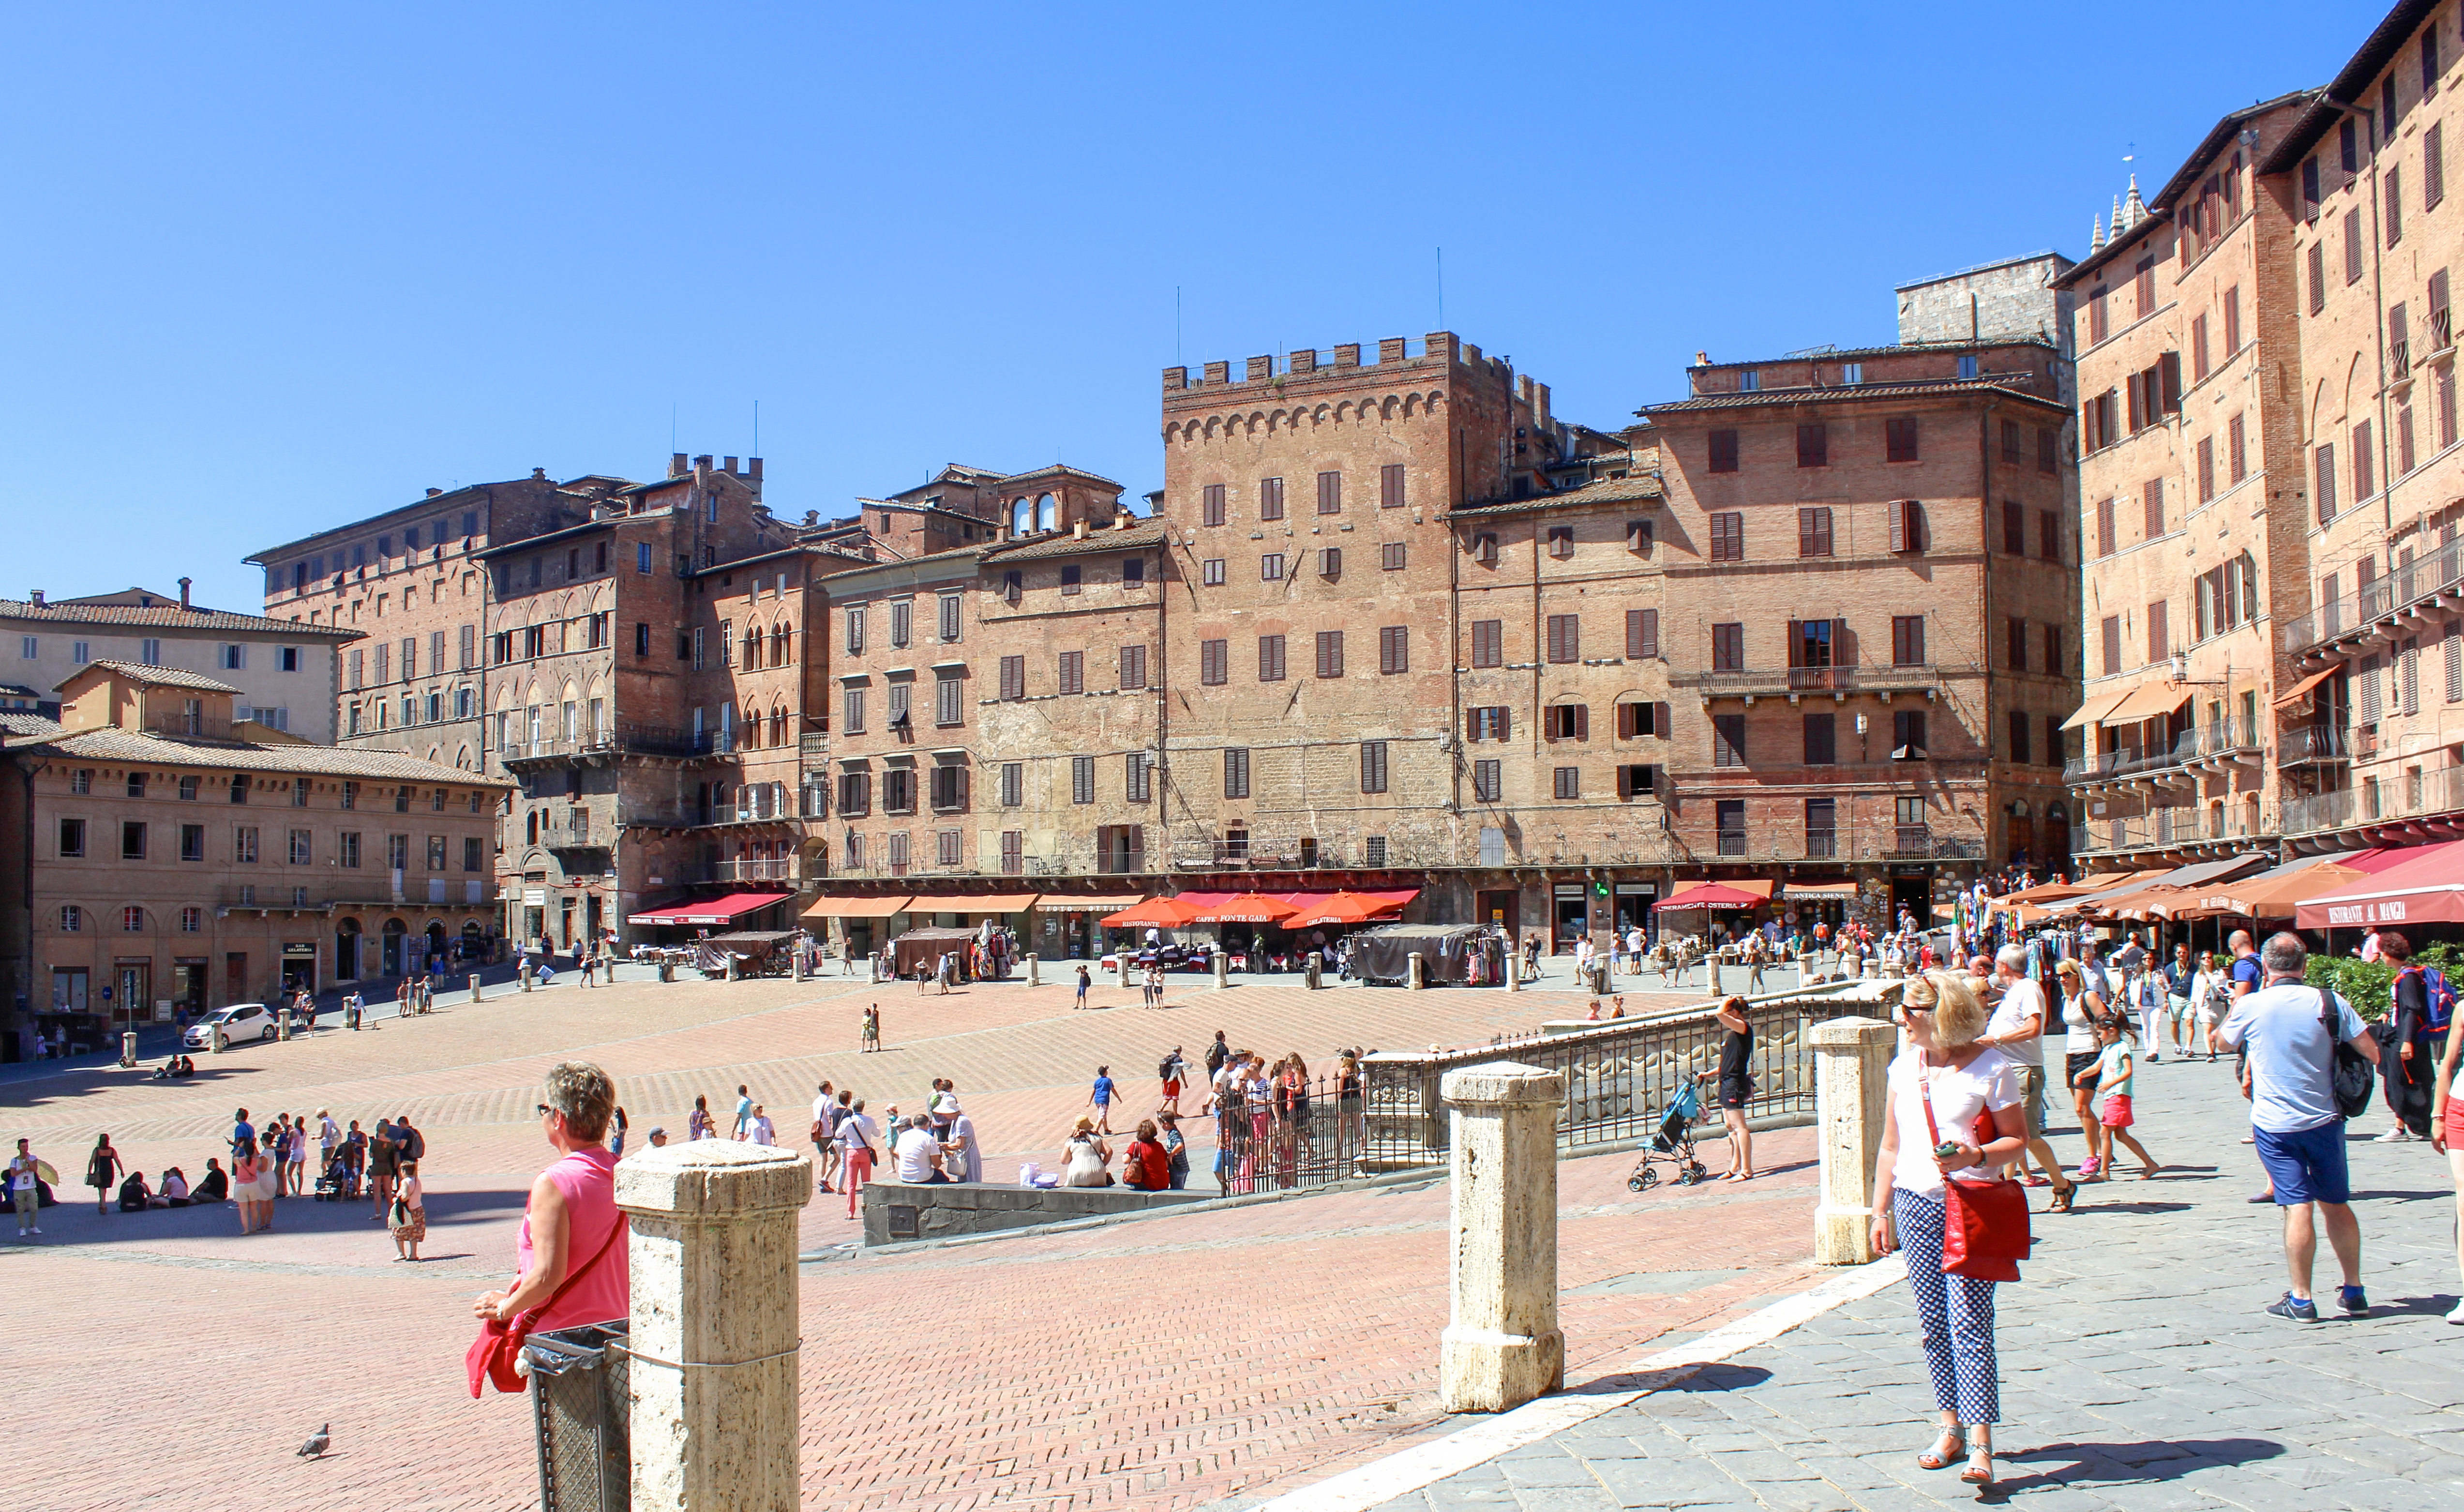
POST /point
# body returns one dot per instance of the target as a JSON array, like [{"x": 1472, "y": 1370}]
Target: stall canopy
[
  {"x": 971, "y": 902},
  {"x": 2135, "y": 900},
  {"x": 1249, "y": 908},
  {"x": 1447, "y": 953},
  {"x": 922, "y": 949},
  {"x": 710, "y": 910},
  {"x": 2426, "y": 887},
  {"x": 2272, "y": 894},
  {"x": 1165, "y": 913},
  {"x": 1709, "y": 895},
  {"x": 858, "y": 907},
  {"x": 1342, "y": 910}
]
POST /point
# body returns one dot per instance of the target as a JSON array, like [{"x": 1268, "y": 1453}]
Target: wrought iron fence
[{"x": 1621, "y": 1078}]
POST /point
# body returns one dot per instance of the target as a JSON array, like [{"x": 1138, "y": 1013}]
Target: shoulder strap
[
  {"x": 615, "y": 1232},
  {"x": 1924, "y": 1091}
]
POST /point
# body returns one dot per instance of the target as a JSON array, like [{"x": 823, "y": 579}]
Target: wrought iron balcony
[{"x": 1777, "y": 682}]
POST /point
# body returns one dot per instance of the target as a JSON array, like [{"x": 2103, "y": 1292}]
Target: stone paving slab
[{"x": 2137, "y": 1369}]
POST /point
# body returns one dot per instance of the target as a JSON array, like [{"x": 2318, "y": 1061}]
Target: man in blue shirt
[
  {"x": 2295, "y": 1122},
  {"x": 243, "y": 1132}
]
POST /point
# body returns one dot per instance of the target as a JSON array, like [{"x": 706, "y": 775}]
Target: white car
[{"x": 239, "y": 1021}]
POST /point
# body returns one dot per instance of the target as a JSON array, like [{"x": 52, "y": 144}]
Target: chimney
[
  {"x": 35, "y": 597},
  {"x": 677, "y": 465},
  {"x": 539, "y": 475},
  {"x": 728, "y": 464},
  {"x": 701, "y": 469},
  {"x": 812, "y": 517},
  {"x": 1702, "y": 359},
  {"x": 184, "y": 593},
  {"x": 753, "y": 468},
  {"x": 1079, "y": 529},
  {"x": 433, "y": 492}
]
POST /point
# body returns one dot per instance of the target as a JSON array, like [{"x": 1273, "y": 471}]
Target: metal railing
[
  {"x": 2187, "y": 825},
  {"x": 1854, "y": 679},
  {"x": 1788, "y": 842},
  {"x": 2439, "y": 792},
  {"x": 1620, "y": 1079},
  {"x": 2312, "y": 743},
  {"x": 2411, "y": 583},
  {"x": 199, "y": 727},
  {"x": 377, "y": 893}
]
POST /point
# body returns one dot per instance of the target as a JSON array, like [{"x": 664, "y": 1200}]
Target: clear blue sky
[{"x": 268, "y": 270}]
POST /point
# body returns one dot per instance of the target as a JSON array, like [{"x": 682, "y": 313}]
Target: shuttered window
[
  {"x": 1635, "y": 721},
  {"x": 1013, "y": 780},
  {"x": 2112, "y": 638},
  {"x": 1821, "y": 740},
  {"x": 1373, "y": 765},
  {"x": 1214, "y": 661},
  {"x": 2353, "y": 245},
  {"x": 1270, "y": 659},
  {"x": 1487, "y": 642},
  {"x": 1814, "y": 532},
  {"x": 2016, "y": 639},
  {"x": 2364, "y": 484},
  {"x": 2207, "y": 469},
  {"x": 2020, "y": 732},
  {"x": 1133, "y": 668},
  {"x": 1485, "y": 782},
  {"x": 1013, "y": 851},
  {"x": 2317, "y": 276},
  {"x": 1567, "y": 782},
  {"x": 2454, "y": 647},
  {"x": 1566, "y": 722},
  {"x": 1013, "y": 678},
  {"x": 1729, "y": 537},
  {"x": 1728, "y": 647},
  {"x": 1329, "y": 653},
  {"x": 1641, "y": 633},
  {"x": 1488, "y": 722},
  {"x": 1330, "y": 493},
  {"x": 1330, "y": 562},
  {"x": 2151, "y": 505},
  {"x": 1908, "y": 525},
  {"x": 1212, "y": 504},
  {"x": 2368, "y": 678},
  {"x": 1390, "y": 486},
  {"x": 1565, "y": 638},
  {"x": 2391, "y": 203},
  {"x": 1724, "y": 451},
  {"x": 1394, "y": 649},
  {"x": 1138, "y": 777},
  {"x": 1728, "y": 739},
  {"x": 1236, "y": 772},
  {"x": 1390, "y": 557},
  {"x": 1270, "y": 499},
  {"x": 1081, "y": 779},
  {"x": 1073, "y": 672},
  {"x": 2105, "y": 528},
  {"x": 1814, "y": 445},
  {"x": 2014, "y": 528},
  {"x": 2158, "y": 646},
  {"x": 1899, "y": 440},
  {"x": 1907, "y": 641},
  {"x": 2433, "y": 169}
]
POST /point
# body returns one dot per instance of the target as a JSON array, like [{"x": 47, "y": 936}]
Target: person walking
[
  {"x": 1084, "y": 982},
  {"x": 26, "y": 1190},
  {"x": 1736, "y": 1085},
  {"x": 569, "y": 1258},
  {"x": 616, "y": 1134},
  {"x": 2212, "y": 992},
  {"x": 2145, "y": 997},
  {"x": 2016, "y": 1028},
  {"x": 873, "y": 1028},
  {"x": 697, "y": 1123},
  {"x": 2111, "y": 1076},
  {"x": 1101, "y": 1097},
  {"x": 2445, "y": 1136},
  {"x": 2180, "y": 973},
  {"x": 406, "y": 1220},
  {"x": 824, "y": 1135},
  {"x": 1175, "y": 1074},
  {"x": 1938, "y": 1088},
  {"x": 743, "y": 1112},
  {"x": 2083, "y": 1009},
  {"x": 2410, "y": 1073},
  {"x": 855, "y": 1151},
  {"x": 2291, "y": 1031},
  {"x": 102, "y": 1171}
]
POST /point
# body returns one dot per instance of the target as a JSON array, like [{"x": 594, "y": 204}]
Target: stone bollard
[
  {"x": 128, "y": 1047},
  {"x": 222, "y": 1040},
  {"x": 1121, "y": 960},
  {"x": 1034, "y": 971},
  {"x": 1416, "y": 971},
  {"x": 1851, "y": 1065},
  {"x": 283, "y": 1022},
  {"x": 731, "y": 968},
  {"x": 800, "y": 972},
  {"x": 1222, "y": 970},
  {"x": 1312, "y": 971},
  {"x": 1513, "y": 972},
  {"x": 526, "y": 979},
  {"x": 475, "y": 987},
  {"x": 1503, "y": 1348},
  {"x": 714, "y": 1324}
]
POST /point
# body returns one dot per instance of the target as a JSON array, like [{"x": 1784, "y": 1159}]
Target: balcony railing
[
  {"x": 1732, "y": 842},
  {"x": 1775, "y": 680},
  {"x": 197, "y": 726},
  {"x": 2439, "y": 792},
  {"x": 1793, "y": 843},
  {"x": 1821, "y": 844},
  {"x": 2176, "y": 827},
  {"x": 2411, "y": 583},
  {"x": 375, "y": 892},
  {"x": 2305, "y": 744}
]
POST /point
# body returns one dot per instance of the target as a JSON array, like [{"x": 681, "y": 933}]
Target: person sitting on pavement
[
  {"x": 135, "y": 1196},
  {"x": 1145, "y": 1166},
  {"x": 215, "y": 1186},
  {"x": 175, "y": 1188},
  {"x": 1086, "y": 1158},
  {"x": 917, "y": 1153}
]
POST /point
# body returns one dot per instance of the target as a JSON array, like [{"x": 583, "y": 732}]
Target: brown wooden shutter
[
  {"x": 2159, "y": 646},
  {"x": 1650, "y": 632},
  {"x": 1390, "y": 486},
  {"x": 1843, "y": 651},
  {"x": 1582, "y": 722},
  {"x": 1899, "y": 528},
  {"x": 2170, "y": 380},
  {"x": 1634, "y": 633},
  {"x": 2433, "y": 169},
  {"x": 1795, "y": 642},
  {"x": 1660, "y": 720}
]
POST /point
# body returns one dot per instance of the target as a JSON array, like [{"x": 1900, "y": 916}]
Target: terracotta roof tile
[
  {"x": 167, "y": 615},
  {"x": 113, "y": 744},
  {"x": 151, "y": 677}
]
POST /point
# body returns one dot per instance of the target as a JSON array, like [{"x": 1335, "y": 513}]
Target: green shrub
[{"x": 2367, "y": 985}]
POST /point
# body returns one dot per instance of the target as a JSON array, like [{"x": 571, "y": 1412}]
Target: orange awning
[
  {"x": 2302, "y": 688},
  {"x": 973, "y": 903},
  {"x": 2145, "y": 702},
  {"x": 2094, "y": 708},
  {"x": 858, "y": 907}
]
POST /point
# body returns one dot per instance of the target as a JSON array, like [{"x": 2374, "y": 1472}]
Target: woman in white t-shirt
[
  {"x": 2211, "y": 999},
  {"x": 1962, "y": 1079},
  {"x": 2084, "y": 1007}
]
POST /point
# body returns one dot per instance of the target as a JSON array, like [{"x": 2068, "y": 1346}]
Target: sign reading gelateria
[{"x": 2387, "y": 911}]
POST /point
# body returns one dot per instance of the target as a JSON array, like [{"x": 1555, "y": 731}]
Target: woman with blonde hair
[
  {"x": 2083, "y": 1015},
  {"x": 569, "y": 1257},
  {"x": 1942, "y": 1087}
]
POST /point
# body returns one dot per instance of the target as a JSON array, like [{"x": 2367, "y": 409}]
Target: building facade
[
  {"x": 174, "y": 859},
  {"x": 284, "y": 673}
]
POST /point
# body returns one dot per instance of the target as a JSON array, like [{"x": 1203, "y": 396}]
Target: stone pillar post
[
  {"x": 1852, "y": 1062},
  {"x": 1311, "y": 968},
  {"x": 714, "y": 1330},
  {"x": 1417, "y": 966},
  {"x": 128, "y": 1047},
  {"x": 1034, "y": 971},
  {"x": 282, "y": 1025},
  {"x": 475, "y": 987},
  {"x": 731, "y": 968},
  {"x": 1222, "y": 970},
  {"x": 1121, "y": 959},
  {"x": 1503, "y": 1348}
]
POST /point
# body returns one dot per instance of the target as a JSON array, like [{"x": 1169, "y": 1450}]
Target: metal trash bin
[{"x": 582, "y": 1402}]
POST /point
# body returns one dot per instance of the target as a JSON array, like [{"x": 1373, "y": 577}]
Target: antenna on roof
[
  {"x": 1441, "y": 288},
  {"x": 756, "y": 428}
]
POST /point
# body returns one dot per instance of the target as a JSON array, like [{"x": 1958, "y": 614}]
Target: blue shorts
[{"x": 2308, "y": 1167}]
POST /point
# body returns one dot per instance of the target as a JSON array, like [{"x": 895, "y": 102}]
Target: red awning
[
  {"x": 2427, "y": 887},
  {"x": 1205, "y": 901},
  {"x": 710, "y": 910}
]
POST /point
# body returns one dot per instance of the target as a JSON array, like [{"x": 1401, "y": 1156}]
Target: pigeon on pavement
[{"x": 315, "y": 1447}]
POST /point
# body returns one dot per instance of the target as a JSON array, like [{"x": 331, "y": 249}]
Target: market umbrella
[
  {"x": 1169, "y": 913},
  {"x": 1342, "y": 908},
  {"x": 1249, "y": 908},
  {"x": 1709, "y": 895}
]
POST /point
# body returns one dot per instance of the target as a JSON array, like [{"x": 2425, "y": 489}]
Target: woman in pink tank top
[{"x": 569, "y": 1261}]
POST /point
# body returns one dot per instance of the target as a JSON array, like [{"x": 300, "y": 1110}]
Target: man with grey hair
[
  {"x": 2291, "y": 1030},
  {"x": 2018, "y": 1028}
]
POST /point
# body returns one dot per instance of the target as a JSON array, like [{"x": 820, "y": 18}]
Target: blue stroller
[{"x": 1673, "y": 1144}]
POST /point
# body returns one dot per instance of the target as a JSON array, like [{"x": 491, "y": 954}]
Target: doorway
[
  {"x": 1913, "y": 893},
  {"x": 235, "y": 976},
  {"x": 1572, "y": 917},
  {"x": 394, "y": 931},
  {"x": 435, "y": 947},
  {"x": 346, "y": 950},
  {"x": 68, "y": 989},
  {"x": 188, "y": 987},
  {"x": 134, "y": 980},
  {"x": 299, "y": 967}
]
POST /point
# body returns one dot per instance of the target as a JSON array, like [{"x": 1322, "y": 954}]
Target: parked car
[{"x": 238, "y": 1020}]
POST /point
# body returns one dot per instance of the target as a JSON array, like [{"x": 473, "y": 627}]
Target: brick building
[
  {"x": 286, "y": 674},
  {"x": 2295, "y": 671},
  {"x": 169, "y": 854},
  {"x": 1867, "y": 599}
]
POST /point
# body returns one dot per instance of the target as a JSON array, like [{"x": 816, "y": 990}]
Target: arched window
[
  {"x": 1045, "y": 517},
  {"x": 1022, "y": 517},
  {"x": 132, "y": 919},
  {"x": 72, "y": 918}
]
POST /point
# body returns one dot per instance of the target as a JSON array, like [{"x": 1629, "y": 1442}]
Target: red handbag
[
  {"x": 491, "y": 1355},
  {"x": 1984, "y": 1232}
]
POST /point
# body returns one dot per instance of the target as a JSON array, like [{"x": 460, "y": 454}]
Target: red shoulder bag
[
  {"x": 491, "y": 1355},
  {"x": 1985, "y": 1230}
]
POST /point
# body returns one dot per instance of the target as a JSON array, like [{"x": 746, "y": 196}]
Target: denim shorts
[{"x": 2307, "y": 1166}]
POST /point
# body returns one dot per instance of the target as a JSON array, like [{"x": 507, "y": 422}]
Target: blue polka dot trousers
[{"x": 1957, "y": 1313}]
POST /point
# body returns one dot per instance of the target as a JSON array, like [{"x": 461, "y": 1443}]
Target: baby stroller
[
  {"x": 1673, "y": 1144},
  {"x": 341, "y": 1181}
]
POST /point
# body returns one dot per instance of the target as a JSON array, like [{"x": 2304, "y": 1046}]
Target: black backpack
[
  {"x": 1163, "y": 1069},
  {"x": 2349, "y": 1074}
]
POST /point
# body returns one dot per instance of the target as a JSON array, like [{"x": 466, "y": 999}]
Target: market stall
[
  {"x": 1468, "y": 955},
  {"x": 919, "y": 951}
]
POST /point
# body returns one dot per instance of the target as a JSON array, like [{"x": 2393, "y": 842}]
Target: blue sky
[{"x": 273, "y": 269}]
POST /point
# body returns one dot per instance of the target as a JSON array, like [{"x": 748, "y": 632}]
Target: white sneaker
[
  {"x": 2397, "y": 1135},
  {"x": 2457, "y": 1316},
  {"x": 39, "y": 1230}
]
